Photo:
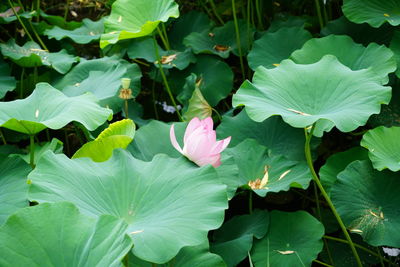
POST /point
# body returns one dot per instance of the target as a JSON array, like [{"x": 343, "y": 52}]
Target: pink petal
[
  {"x": 220, "y": 145},
  {"x": 214, "y": 160},
  {"x": 173, "y": 139},
  {"x": 192, "y": 126},
  {"x": 208, "y": 123}
]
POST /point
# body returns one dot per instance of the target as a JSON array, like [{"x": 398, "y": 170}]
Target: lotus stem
[
  {"x": 238, "y": 39},
  {"x": 322, "y": 263},
  {"x": 66, "y": 10},
  {"x": 318, "y": 8},
  {"x": 32, "y": 151},
  {"x": 164, "y": 30},
  {"x": 3, "y": 138},
  {"x": 259, "y": 15},
  {"x": 307, "y": 151},
  {"x": 20, "y": 21},
  {"x": 126, "y": 109},
  {"x": 163, "y": 39},
  {"x": 214, "y": 9},
  {"x": 165, "y": 79},
  {"x": 358, "y": 246}
]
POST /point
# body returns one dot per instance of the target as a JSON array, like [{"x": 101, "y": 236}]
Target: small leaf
[{"x": 198, "y": 107}]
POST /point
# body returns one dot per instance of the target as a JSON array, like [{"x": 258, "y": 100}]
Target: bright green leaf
[{"x": 198, "y": 107}]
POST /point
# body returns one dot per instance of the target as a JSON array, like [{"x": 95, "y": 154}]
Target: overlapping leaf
[
  {"x": 169, "y": 203},
  {"x": 47, "y": 107},
  {"x": 7, "y": 82}
]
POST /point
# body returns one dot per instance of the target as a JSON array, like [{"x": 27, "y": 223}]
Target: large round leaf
[
  {"x": 234, "y": 239},
  {"x": 31, "y": 55},
  {"x": 221, "y": 41},
  {"x": 293, "y": 239},
  {"x": 58, "y": 235},
  {"x": 368, "y": 202},
  {"x": 272, "y": 48},
  {"x": 7, "y": 82},
  {"x": 384, "y": 147},
  {"x": 273, "y": 133},
  {"x": 13, "y": 187},
  {"x": 373, "y": 12},
  {"x": 255, "y": 164},
  {"x": 168, "y": 203},
  {"x": 88, "y": 32},
  {"x": 118, "y": 135},
  {"x": 102, "y": 77},
  {"x": 216, "y": 79},
  {"x": 132, "y": 19},
  {"x": 337, "y": 163},
  {"x": 395, "y": 47},
  {"x": 340, "y": 97},
  {"x": 47, "y": 107},
  {"x": 379, "y": 59}
]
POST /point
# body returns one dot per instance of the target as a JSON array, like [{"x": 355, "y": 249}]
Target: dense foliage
[{"x": 200, "y": 133}]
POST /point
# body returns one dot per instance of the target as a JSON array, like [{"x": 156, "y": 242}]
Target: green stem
[
  {"x": 358, "y": 246},
  {"x": 38, "y": 37},
  {"x": 37, "y": 10},
  {"x": 214, "y": 9},
  {"x": 163, "y": 39},
  {"x": 238, "y": 39},
  {"x": 318, "y": 8},
  {"x": 259, "y": 15},
  {"x": 307, "y": 151},
  {"x": 66, "y": 10},
  {"x": 380, "y": 257},
  {"x": 126, "y": 109},
  {"x": 322, "y": 263},
  {"x": 20, "y": 21},
  {"x": 165, "y": 79},
  {"x": 3, "y": 138},
  {"x": 164, "y": 30},
  {"x": 153, "y": 94},
  {"x": 32, "y": 151},
  {"x": 216, "y": 112},
  {"x": 21, "y": 5}
]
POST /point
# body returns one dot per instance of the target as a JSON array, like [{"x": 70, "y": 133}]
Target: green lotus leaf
[
  {"x": 132, "y": 19},
  {"x": 273, "y": 133},
  {"x": 346, "y": 101},
  {"x": 13, "y": 186},
  {"x": 7, "y": 82},
  {"x": 47, "y": 107},
  {"x": 198, "y": 256},
  {"x": 58, "y": 235},
  {"x": 168, "y": 203},
  {"x": 228, "y": 173},
  {"x": 254, "y": 164},
  {"x": 337, "y": 163},
  {"x": 360, "y": 33},
  {"x": 8, "y": 16},
  {"x": 379, "y": 59},
  {"x": 88, "y": 32},
  {"x": 60, "y": 21},
  {"x": 384, "y": 147},
  {"x": 144, "y": 48},
  {"x": 221, "y": 41},
  {"x": 55, "y": 146},
  {"x": 153, "y": 138},
  {"x": 293, "y": 239},
  {"x": 368, "y": 201},
  {"x": 395, "y": 47},
  {"x": 373, "y": 12},
  {"x": 192, "y": 21},
  {"x": 286, "y": 22},
  {"x": 272, "y": 48},
  {"x": 213, "y": 73},
  {"x": 234, "y": 239},
  {"x": 102, "y": 77},
  {"x": 118, "y": 135},
  {"x": 31, "y": 55},
  {"x": 198, "y": 107}
]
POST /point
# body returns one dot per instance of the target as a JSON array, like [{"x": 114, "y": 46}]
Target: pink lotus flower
[{"x": 200, "y": 142}]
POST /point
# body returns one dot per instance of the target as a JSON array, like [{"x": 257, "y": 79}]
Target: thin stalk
[
  {"x": 206, "y": 9},
  {"x": 238, "y": 39},
  {"x": 358, "y": 246},
  {"x": 307, "y": 151},
  {"x": 164, "y": 30},
  {"x": 325, "y": 13},
  {"x": 320, "y": 219},
  {"x": 163, "y": 39},
  {"x": 218, "y": 115},
  {"x": 21, "y": 5},
  {"x": 32, "y": 151},
  {"x": 66, "y": 10},
  {"x": 37, "y": 10},
  {"x": 126, "y": 109},
  {"x": 380, "y": 257},
  {"x": 38, "y": 37},
  {"x": 141, "y": 62},
  {"x": 318, "y": 8},
  {"x": 259, "y": 15},
  {"x": 21, "y": 84},
  {"x": 322, "y": 263},
  {"x": 153, "y": 94},
  {"x": 3, "y": 138},
  {"x": 214, "y": 9},
  {"x": 20, "y": 21},
  {"x": 165, "y": 79}
]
